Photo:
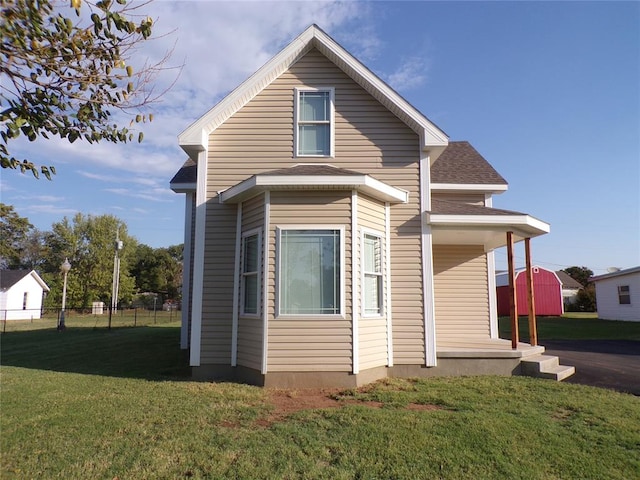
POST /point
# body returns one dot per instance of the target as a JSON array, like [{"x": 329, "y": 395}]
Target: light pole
[
  {"x": 65, "y": 267},
  {"x": 116, "y": 275}
]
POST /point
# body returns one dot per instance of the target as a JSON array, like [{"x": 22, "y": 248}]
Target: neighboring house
[
  {"x": 618, "y": 294},
  {"x": 334, "y": 235},
  {"x": 21, "y": 293},
  {"x": 570, "y": 288},
  {"x": 547, "y": 292}
]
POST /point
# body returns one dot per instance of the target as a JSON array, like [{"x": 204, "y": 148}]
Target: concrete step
[
  {"x": 546, "y": 366},
  {"x": 558, "y": 373}
]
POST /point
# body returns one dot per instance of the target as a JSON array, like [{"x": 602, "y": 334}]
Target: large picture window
[
  {"x": 310, "y": 272},
  {"x": 314, "y": 122},
  {"x": 372, "y": 274},
  {"x": 250, "y": 266}
]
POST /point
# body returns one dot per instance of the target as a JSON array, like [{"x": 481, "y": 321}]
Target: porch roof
[
  {"x": 313, "y": 177},
  {"x": 455, "y": 223}
]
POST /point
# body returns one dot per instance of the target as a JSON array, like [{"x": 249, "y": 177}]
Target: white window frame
[
  {"x": 279, "y": 230},
  {"x": 297, "y": 122},
  {"x": 243, "y": 275},
  {"x": 364, "y": 273},
  {"x": 622, "y": 294}
]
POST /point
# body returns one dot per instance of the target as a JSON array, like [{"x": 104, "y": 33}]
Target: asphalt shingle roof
[
  {"x": 188, "y": 173},
  {"x": 445, "y": 207},
  {"x": 460, "y": 163},
  {"x": 8, "y": 278}
]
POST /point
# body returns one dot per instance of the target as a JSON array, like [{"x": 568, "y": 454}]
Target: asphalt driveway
[{"x": 613, "y": 364}]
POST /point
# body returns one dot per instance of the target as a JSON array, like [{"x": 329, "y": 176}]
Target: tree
[
  {"x": 89, "y": 244},
  {"x": 65, "y": 77},
  {"x": 158, "y": 270},
  {"x": 579, "y": 274},
  {"x": 13, "y": 229},
  {"x": 34, "y": 250}
]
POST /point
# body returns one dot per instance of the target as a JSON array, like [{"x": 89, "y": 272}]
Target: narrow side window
[
  {"x": 250, "y": 266},
  {"x": 372, "y": 274}
]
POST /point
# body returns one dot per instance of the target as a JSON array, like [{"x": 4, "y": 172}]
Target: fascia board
[
  {"x": 194, "y": 137},
  {"x": 619, "y": 273},
  {"x": 363, "y": 183},
  {"x": 183, "y": 187},
  {"x": 430, "y": 136},
  {"x": 469, "y": 187},
  {"x": 38, "y": 279},
  {"x": 525, "y": 222}
]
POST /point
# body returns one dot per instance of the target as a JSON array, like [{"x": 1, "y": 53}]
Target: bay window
[{"x": 310, "y": 271}]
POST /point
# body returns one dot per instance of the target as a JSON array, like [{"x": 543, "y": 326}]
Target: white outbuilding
[
  {"x": 21, "y": 294},
  {"x": 618, "y": 294}
]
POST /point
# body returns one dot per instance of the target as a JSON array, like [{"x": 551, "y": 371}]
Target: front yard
[{"x": 89, "y": 403}]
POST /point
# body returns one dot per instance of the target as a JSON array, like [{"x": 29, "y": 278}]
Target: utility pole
[{"x": 116, "y": 275}]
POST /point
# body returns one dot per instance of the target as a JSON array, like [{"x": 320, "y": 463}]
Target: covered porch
[{"x": 455, "y": 223}]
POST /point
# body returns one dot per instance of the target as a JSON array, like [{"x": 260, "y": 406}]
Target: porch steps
[{"x": 546, "y": 366}]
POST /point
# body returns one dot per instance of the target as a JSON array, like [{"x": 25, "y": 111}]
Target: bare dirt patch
[{"x": 286, "y": 402}]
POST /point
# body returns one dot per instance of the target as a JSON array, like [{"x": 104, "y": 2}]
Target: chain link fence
[{"x": 50, "y": 318}]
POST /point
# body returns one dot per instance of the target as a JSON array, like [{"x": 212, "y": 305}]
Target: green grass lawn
[
  {"x": 92, "y": 403},
  {"x": 573, "y": 326}
]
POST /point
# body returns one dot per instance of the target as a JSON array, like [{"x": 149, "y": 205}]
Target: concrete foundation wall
[{"x": 447, "y": 367}]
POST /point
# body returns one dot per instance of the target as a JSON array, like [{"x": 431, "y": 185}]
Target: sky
[{"x": 547, "y": 92}]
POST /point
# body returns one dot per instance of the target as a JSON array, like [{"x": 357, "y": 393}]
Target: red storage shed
[{"x": 547, "y": 291}]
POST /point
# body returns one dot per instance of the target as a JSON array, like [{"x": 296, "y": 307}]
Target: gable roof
[
  {"x": 567, "y": 280},
  {"x": 194, "y": 138},
  {"x": 461, "y": 168},
  {"x": 8, "y": 278}
]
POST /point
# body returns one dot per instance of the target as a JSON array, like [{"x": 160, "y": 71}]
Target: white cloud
[
  {"x": 411, "y": 73},
  {"x": 153, "y": 195}
]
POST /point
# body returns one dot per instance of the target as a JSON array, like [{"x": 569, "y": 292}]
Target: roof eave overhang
[
  {"x": 195, "y": 137},
  {"x": 495, "y": 188},
  {"x": 40, "y": 281},
  {"x": 361, "y": 183},
  {"x": 487, "y": 230},
  {"x": 183, "y": 187}
]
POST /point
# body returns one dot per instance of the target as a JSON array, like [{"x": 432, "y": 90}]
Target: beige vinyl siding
[
  {"x": 253, "y": 213},
  {"x": 473, "y": 199},
  {"x": 371, "y": 214},
  {"x": 250, "y": 328},
  {"x": 461, "y": 297},
  {"x": 368, "y": 139},
  {"x": 372, "y": 330},
  {"x": 309, "y": 343}
]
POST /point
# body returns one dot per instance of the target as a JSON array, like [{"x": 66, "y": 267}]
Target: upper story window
[
  {"x": 310, "y": 271},
  {"x": 624, "y": 295},
  {"x": 314, "y": 122}
]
